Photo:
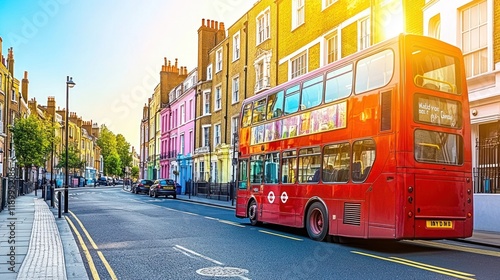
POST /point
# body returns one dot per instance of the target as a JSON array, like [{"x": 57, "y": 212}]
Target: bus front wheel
[
  {"x": 252, "y": 213},
  {"x": 317, "y": 222}
]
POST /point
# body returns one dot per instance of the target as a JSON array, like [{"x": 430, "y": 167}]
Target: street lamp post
[{"x": 69, "y": 84}]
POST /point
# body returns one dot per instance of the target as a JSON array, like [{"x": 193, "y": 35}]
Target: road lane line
[
  {"x": 435, "y": 267},
  {"x": 108, "y": 267},
  {"x": 197, "y": 254},
  {"x": 438, "y": 270},
  {"x": 454, "y": 247},
  {"x": 231, "y": 223},
  {"x": 281, "y": 235},
  {"x": 86, "y": 252},
  {"x": 84, "y": 231}
]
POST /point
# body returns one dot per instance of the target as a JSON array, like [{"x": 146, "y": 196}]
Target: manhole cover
[{"x": 219, "y": 271}]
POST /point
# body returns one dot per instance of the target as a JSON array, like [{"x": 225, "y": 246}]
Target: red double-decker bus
[{"x": 376, "y": 145}]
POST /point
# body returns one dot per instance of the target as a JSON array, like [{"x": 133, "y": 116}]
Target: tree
[
  {"x": 32, "y": 141},
  {"x": 123, "y": 149},
  {"x": 74, "y": 160},
  {"x": 107, "y": 143},
  {"x": 134, "y": 172}
]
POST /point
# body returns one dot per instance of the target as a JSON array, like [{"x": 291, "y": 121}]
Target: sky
[{"x": 113, "y": 49}]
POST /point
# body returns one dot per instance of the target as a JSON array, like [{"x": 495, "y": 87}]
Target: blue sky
[{"x": 113, "y": 50}]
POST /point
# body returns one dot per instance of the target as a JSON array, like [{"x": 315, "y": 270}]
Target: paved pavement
[{"x": 36, "y": 245}]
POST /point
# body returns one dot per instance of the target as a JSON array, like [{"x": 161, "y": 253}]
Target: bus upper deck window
[
  {"x": 275, "y": 105},
  {"x": 292, "y": 100},
  {"x": 374, "y": 71},
  {"x": 247, "y": 115},
  {"x": 435, "y": 71}
]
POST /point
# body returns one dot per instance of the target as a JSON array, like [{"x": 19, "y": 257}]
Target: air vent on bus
[
  {"x": 386, "y": 108},
  {"x": 352, "y": 214}
]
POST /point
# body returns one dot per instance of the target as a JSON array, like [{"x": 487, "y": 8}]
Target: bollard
[{"x": 59, "y": 204}]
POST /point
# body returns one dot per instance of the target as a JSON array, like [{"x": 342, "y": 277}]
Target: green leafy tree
[
  {"x": 123, "y": 149},
  {"x": 134, "y": 172},
  {"x": 74, "y": 161},
  {"x": 107, "y": 143},
  {"x": 32, "y": 141},
  {"x": 112, "y": 164}
]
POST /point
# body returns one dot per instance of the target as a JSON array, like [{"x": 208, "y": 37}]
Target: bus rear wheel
[
  {"x": 252, "y": 213},
  {"x": 317, "y": 222}
]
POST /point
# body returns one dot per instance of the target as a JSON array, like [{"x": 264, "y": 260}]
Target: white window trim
[
  {"x": 236, "y": 35},
  {"x": 215, "y": 134},
  {"x": 204, "y": 103},
  {"x": 306, "y": 53},
  {"x": 210, "y": 72},
  {"x": 232, "y": 89},
  {"x": 219, "y": 64},
  {"x": 294, "y": 24},
  {"x": 209, "y": 126},
  {"x": 334, "y": 32},
  {"x": 219, "y": 86},
  {"x": 325, "y": 5},
  {"x": 358, "y": 36},
  {"x": 266, "y": 77},
  {"x": 261, "y": 14}
]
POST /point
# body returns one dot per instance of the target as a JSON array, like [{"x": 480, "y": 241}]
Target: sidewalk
[{"x": 36, "y": 245}]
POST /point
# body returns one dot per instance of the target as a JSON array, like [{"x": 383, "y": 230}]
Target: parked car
[
  {"x": 118, "y": 181},
  {"x": 164, "y": 187},
  {"x": 111, "y": 181},
  {"x": 142, "y": 185},
  {"x": 103, "y": 181}
]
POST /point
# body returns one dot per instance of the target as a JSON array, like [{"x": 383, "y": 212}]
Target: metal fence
[
  {"x": 217, "y": 191},
  {"x": 487, "y": 171}
]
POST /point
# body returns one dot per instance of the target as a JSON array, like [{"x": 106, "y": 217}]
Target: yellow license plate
[
  {"x": 439, "y": 224},
  {"x": 167, "y": 188}
]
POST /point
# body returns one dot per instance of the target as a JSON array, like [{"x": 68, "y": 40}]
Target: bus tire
[
  {"x": 317, "y": 222},
  {"x": 252, "y": 213}
]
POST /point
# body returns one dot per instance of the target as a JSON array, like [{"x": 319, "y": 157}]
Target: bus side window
[
  {"x": 247, "y": 115},
  {"x": 312, "y": 93},
  {"x": 292, "y": 100},
  {"x": 336, "y": 159},
  {"x": 363, "y": 155},
  {"x": 271, "y": 168},
  {"x": 256, "y": 169},
  {"x": 289, "y": 167},
  {"x": 259, "y": 110},
  {"x": 275, "y": 105}
]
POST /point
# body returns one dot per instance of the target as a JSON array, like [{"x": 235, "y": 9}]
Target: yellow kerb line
[
  {"x": 99, "y": 253},
  {"x": 424, "y": 267},
  {"x": 86, "y": 252}
]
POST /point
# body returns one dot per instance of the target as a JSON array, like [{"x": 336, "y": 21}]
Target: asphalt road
[{"x": 138, "y": 237}]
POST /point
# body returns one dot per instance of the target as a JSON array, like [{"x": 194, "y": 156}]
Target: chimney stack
[
  {"x": 10, "y": 61},
  {"x": 24, "y": 86}
]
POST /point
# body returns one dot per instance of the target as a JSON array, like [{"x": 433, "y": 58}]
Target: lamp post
[{"x": 69, "y": 84}]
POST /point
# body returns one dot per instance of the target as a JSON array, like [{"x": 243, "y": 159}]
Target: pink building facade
[{"x": 177, "y": 132}]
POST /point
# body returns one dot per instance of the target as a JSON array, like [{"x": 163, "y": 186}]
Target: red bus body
[{"x": 414, "y": 143}]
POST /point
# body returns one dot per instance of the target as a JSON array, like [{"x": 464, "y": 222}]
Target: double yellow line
[
  {"x": 436, "y": 269},
  {"x": 86, "y": 251}
]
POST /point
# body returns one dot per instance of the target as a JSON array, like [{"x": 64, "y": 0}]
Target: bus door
[
  {"x": 287, "y": 195},
  {"x": 242, "y": 194},
  {"x": 263, "y": 187}
]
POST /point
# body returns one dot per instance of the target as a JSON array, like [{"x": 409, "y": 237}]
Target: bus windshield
[{"x": 435, "y": 71}]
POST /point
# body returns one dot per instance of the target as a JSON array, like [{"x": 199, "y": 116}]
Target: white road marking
[{"x": 187, "y": 251}]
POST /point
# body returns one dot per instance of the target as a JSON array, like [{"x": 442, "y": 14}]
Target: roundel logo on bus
[
  {"x": 284, "y": 197},
  {"x": 271, "y": 197}
]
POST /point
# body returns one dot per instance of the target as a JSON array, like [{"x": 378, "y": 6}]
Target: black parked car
[
  {"x": 164, "y": 187},
  {"x": 142, "y": 185},
  {"x": 103, "y": 181}
]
